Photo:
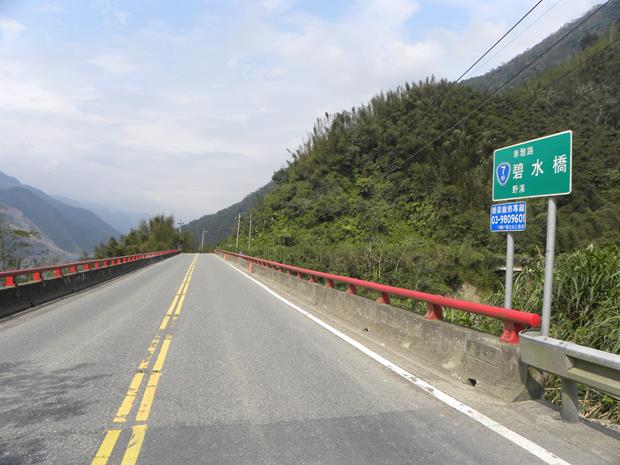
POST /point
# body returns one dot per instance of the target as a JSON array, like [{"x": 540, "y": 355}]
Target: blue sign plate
[{"x": 507, "y": 217}]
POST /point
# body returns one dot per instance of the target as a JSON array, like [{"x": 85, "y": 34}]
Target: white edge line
[{"x": 531, "y": 447}]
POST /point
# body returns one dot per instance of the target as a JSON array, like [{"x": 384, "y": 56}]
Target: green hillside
[
  {"x": 350, "y": 202},
  {"x": 220, "y": 225},
  {"x": 353, "y": 202}
]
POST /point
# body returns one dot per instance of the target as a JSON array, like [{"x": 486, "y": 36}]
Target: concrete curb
[
  {"x": 25, "y": 296},
  {"x": 472, "y": 357}
]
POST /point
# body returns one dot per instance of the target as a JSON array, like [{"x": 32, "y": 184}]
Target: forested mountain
[
  {"x": 597, "y": 26},
  {"x": 352, "y": 200},
  {"x": 220, "y": 225},
  {"x": 72, "y": 229}
]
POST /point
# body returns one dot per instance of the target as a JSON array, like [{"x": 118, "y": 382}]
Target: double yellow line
[{"x": 138, "y": 430}]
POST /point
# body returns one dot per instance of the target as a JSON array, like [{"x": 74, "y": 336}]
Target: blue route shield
[{"x": 503, "y": 173}]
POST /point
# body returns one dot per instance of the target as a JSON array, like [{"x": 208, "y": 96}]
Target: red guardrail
[
  {"x": 38, "y": 274},
  {"x": 514, "y": 320}
]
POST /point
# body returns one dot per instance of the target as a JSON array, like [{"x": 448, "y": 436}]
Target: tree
[
  {"x": 5, "y": 255},
  {"x": 14, "y": 245},
  {"x": 158, "y": 233},
  {"x": 21, "y": 244}
]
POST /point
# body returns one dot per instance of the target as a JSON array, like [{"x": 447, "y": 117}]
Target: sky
[{"x": 186, "y": 106}]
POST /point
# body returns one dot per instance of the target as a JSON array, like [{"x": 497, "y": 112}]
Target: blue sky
[{"x": 185, "y": 107}]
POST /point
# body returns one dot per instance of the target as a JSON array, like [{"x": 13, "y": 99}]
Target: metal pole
[
  {"x": 238, "y": 227},
  {"x": 180, "y": 232},
  {"x": 570, "y": 394},
  {"x": 510, "y": 262},
  {"x": 570, "y": 400},
  {"x": 202, "y": 242},
  {"x": 549, "y": 256},
  {"x": 250, "y": 234}
]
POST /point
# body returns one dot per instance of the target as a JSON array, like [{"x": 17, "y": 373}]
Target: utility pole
[
  {"x": 180, "y": 246},
  {"x": 238, "y": 228},
  {"x": 250, "y": 234},
  {"x": 202, "y": 242}
]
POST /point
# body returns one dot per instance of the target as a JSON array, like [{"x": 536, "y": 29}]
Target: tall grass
[
  {"x": 585, "y": 310},
  {"x": 586, "y": 296}
]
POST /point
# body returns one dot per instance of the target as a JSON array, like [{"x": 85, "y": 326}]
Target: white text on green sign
[{"x": 536, "y": 168}]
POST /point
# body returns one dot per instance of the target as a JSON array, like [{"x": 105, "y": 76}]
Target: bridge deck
[{"x": 238, "y": 377}]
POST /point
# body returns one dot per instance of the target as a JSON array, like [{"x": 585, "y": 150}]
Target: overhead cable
[{"x": 497, "y": 89}]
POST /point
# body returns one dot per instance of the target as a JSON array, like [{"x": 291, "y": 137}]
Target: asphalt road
[{"x": 192, "y": 363}]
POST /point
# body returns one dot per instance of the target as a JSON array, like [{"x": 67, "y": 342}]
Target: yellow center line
[
  {"x": 164, "y": 323},
  {"x": 132, "y": 393},
  {"x": 147, "y": 398},
  {"x": 138, "y": 432},
  {"x": 144, "y": 363},
  {"x": 180, "y": 306},
  {"x": 161, "y": 358},
  {"x": 151, "y": 387},
  {"x": 106, "y": 448},
  {"x": 135, "y": 444},
  {"x": 172, "y": 305}
]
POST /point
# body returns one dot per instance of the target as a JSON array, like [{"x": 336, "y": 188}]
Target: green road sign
[{"x": 536, "y": 168}]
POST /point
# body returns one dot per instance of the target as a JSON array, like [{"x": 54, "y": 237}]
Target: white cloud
[
  {"x": 175, "y": 140},
  {"x": 121, "y": 16},
  {"x": 392, "y": 12},
  {"x": 276, "y": 5},
  {"x": 112, "y": 63},
  {"x": 193, "y": 118},
  {"x": 10, "y": 29},
  {"x": 31, "y": 96},
  {"x": 49, "y": 8}
]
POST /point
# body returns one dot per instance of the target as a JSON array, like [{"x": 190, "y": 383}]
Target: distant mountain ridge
[
  {"x": 219, "y": 225},
  {"x": 7, "y": 181},
  {"x": 70, "y": 228},
  {"x": 119, "y": 219},
  {"x": 42, "y": 249},
  {"x": 598, "y": 25}
]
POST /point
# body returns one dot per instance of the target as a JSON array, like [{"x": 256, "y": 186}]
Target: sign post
[
  {"x": 508, "y": 217},
  {"x": 510, "y": 264},
  {"x": 537, "y": 168},
  {"x": 540, "y": 168}
]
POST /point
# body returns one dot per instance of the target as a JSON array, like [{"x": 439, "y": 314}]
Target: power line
[
  {"x": 520, "y": 33},
  {"x": 498, "y": 41},
  {"x": 496, "y": 90},
  {"x": 439, "y": 101}
]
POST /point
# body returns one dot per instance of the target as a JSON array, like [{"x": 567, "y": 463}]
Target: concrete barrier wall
[
  {"x": 24, "y": 296},
  {"x": 470, "y": 356}
]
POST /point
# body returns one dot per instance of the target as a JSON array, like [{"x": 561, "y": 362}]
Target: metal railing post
[{"x": 570, "y": 400}]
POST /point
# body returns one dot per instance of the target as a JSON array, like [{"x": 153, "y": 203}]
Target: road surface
[{"x": 189, "y": 362}]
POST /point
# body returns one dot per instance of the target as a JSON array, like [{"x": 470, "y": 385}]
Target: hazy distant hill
[
  {"x": 121, "y": 220},
  {"x": 69, "y": 228},
  {"x": 42, "y": 249},
  {"x": 588, "y": 33},
  {"x": 219, "y": 225},
  {"x": 8, "y": 181}
]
